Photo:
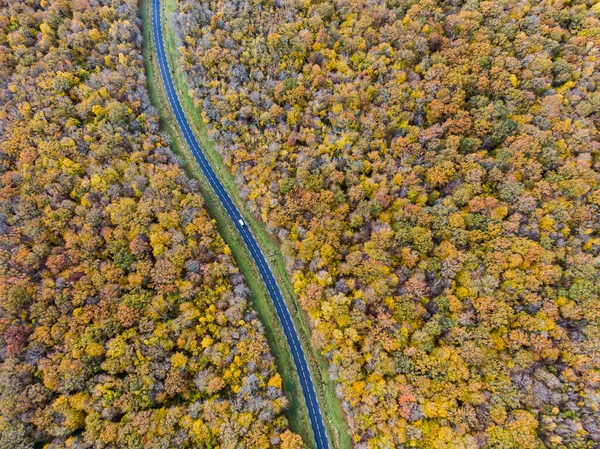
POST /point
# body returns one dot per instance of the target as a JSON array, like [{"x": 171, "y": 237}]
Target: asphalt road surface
[{"x": 308, "y": 388}]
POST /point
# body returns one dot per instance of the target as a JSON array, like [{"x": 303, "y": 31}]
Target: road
[{"x": 306, "y": 382}]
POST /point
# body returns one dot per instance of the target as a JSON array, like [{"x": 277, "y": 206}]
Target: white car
[{"x": 241, "y": 222}]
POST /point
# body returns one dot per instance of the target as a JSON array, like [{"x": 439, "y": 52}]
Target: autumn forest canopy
[
  {"x": 429, "y": 168},
  {"x": 124, "y": 322}
]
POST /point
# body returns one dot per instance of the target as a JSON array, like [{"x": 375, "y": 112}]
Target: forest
[
  {"x": 124, "y": 322},
  {"x": 431, "y": 170}
]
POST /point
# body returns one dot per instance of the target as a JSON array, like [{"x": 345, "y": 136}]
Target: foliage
[
  {"x": 123, "y": 321},
  {"x": 431, "y": 169}
]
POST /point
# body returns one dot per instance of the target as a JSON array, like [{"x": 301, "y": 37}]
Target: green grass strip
[{"x": 296, "y": 413}]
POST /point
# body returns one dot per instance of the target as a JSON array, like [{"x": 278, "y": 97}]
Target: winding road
[{"x": 308, "y": 389}]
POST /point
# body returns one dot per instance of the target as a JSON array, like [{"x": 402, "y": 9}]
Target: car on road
[{"x": 241, "y": 222}]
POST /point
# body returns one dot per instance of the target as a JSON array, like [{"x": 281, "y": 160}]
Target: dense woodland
[
  {"x": 431, "y": 168},
  {"x": 123, "y": 321}
]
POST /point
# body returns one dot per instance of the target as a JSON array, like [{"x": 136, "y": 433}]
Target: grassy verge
[
  {"x": 333, "y": 415},
  {"x": 296, "y": 412}
]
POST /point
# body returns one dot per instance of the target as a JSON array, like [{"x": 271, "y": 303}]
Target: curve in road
[{"x": 306, "y": 382}]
